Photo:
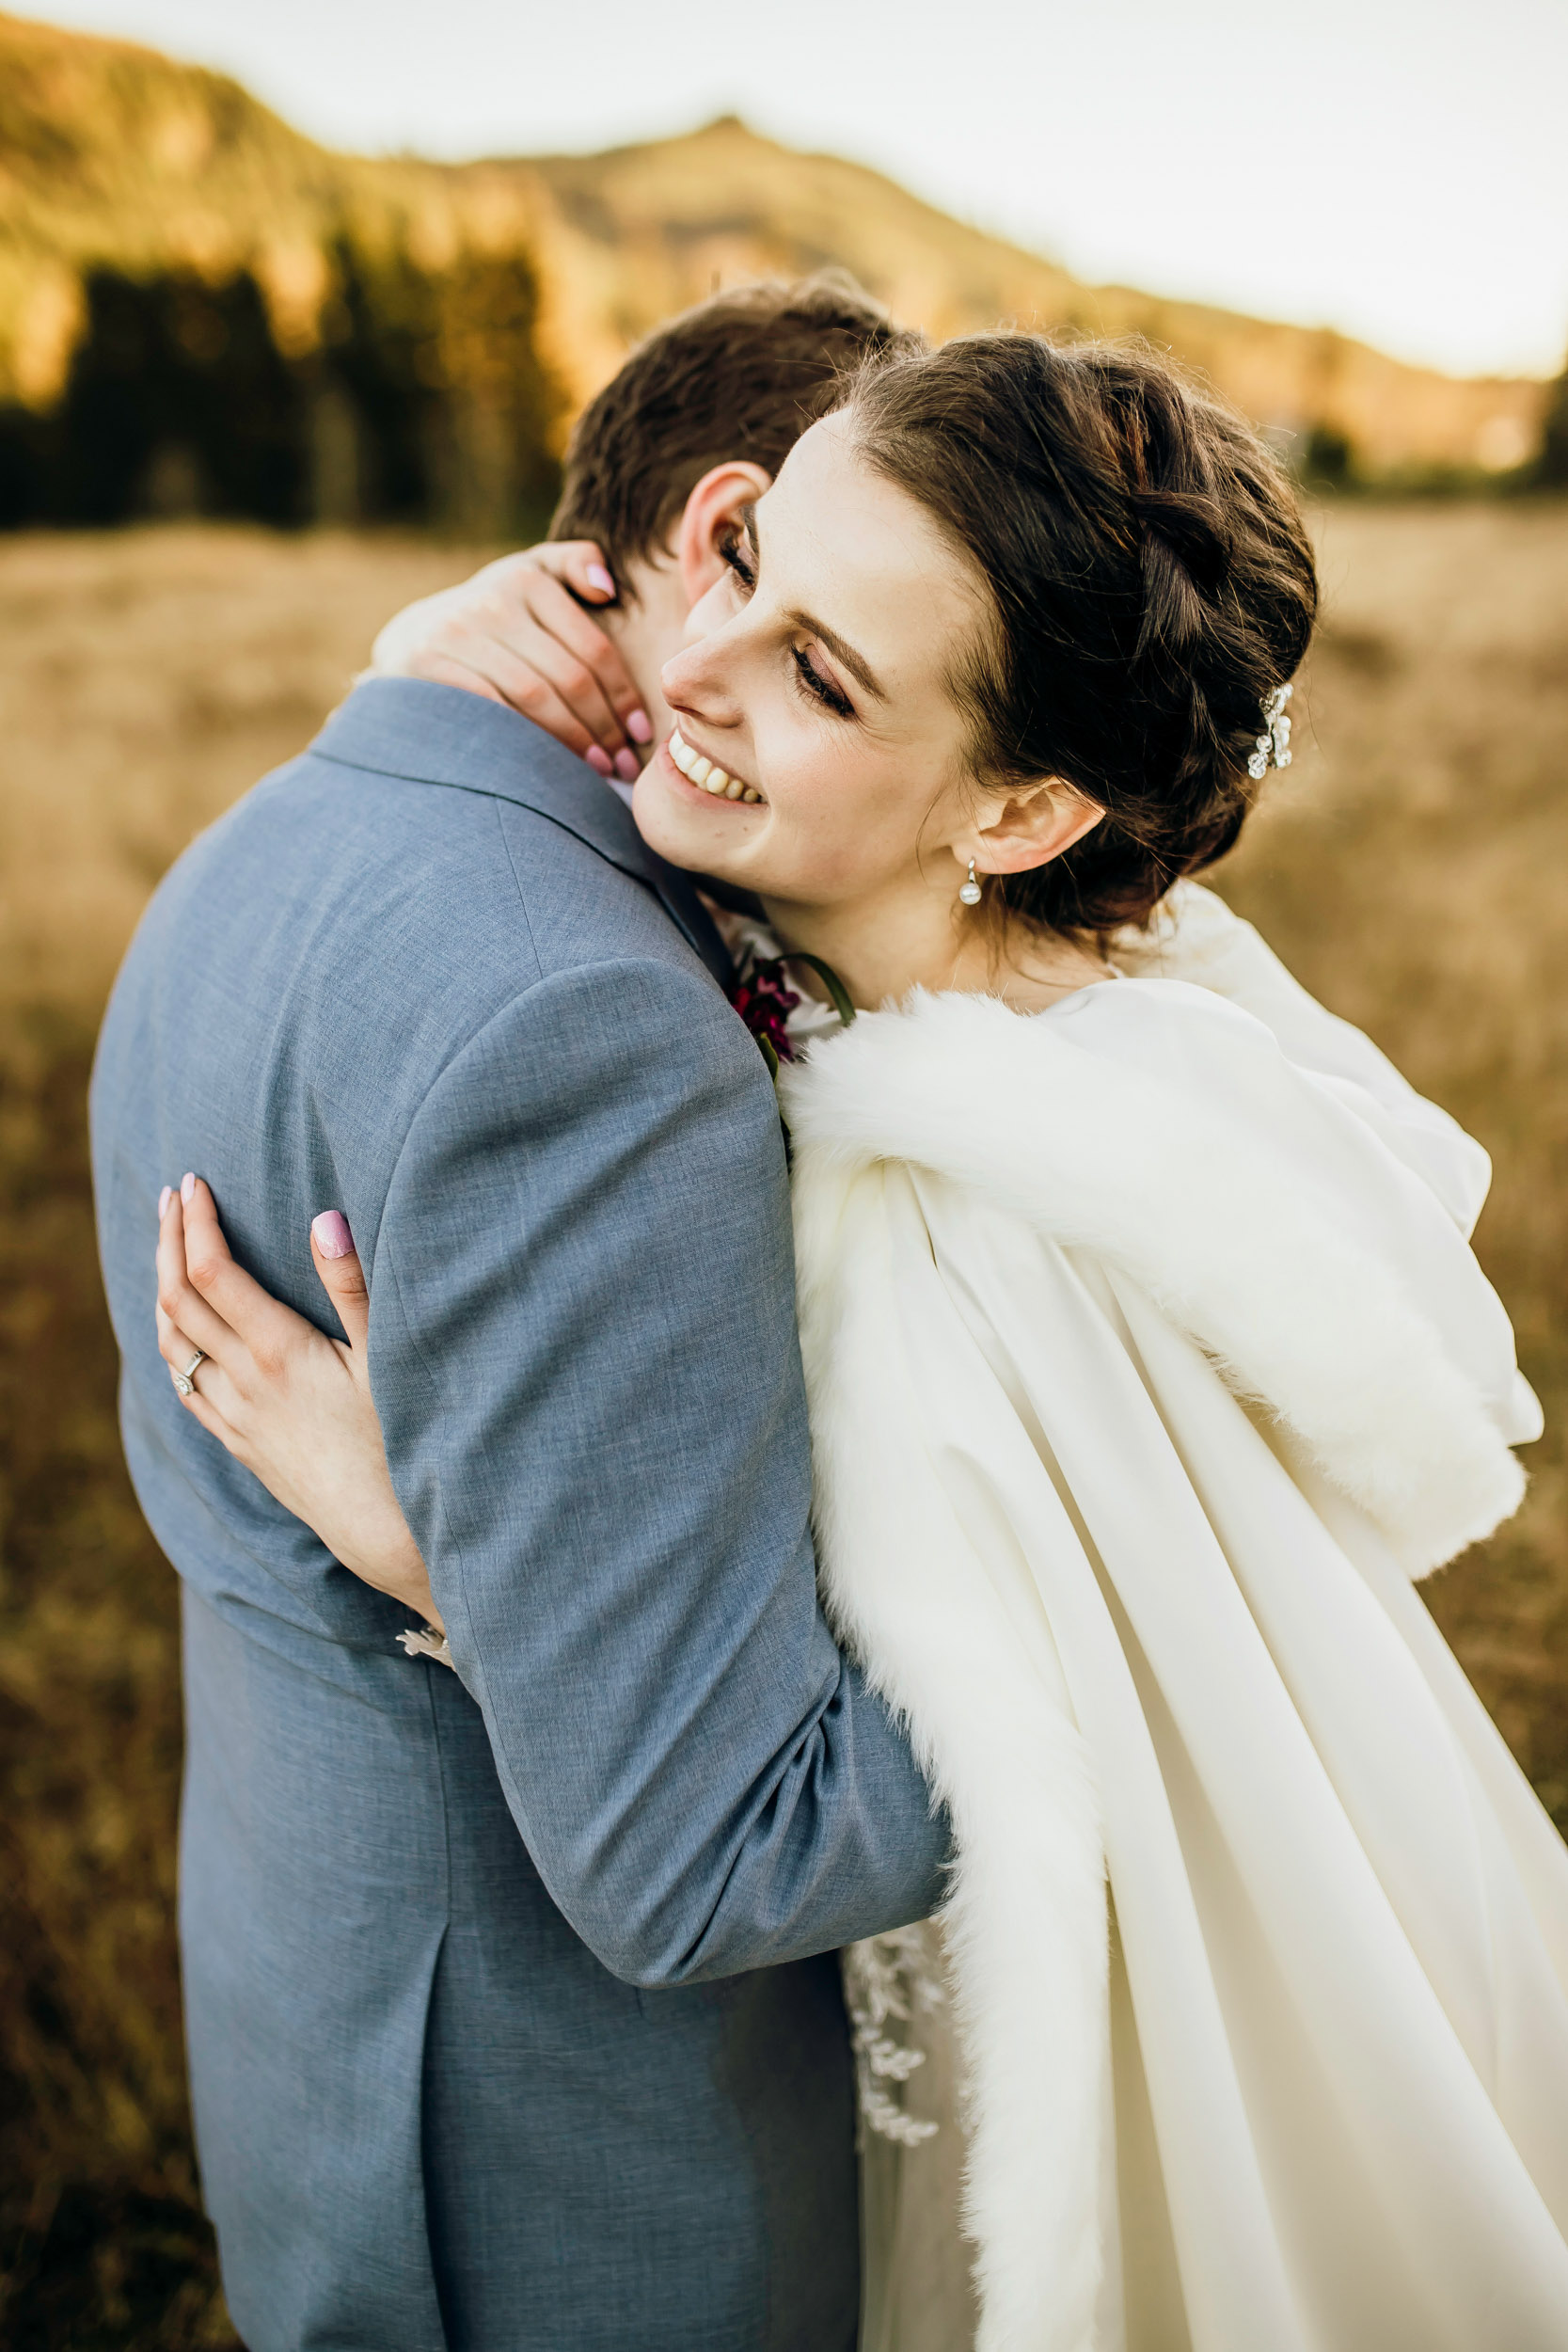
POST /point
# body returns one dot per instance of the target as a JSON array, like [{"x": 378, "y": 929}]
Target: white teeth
[{"x": 702, "y": 772}]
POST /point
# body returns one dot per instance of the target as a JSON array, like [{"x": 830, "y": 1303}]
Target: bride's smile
[{"x": 709, "y": 778}]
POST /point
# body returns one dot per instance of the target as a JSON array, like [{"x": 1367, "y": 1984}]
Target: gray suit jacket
[{"x": 504, "y": 2027}]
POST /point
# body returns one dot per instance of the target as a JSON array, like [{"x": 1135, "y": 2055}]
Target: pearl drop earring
[{"x": 970, "y": 892}]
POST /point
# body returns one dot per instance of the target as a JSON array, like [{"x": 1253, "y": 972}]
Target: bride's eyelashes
[
  {"x": 734, "y": 555},
  {"x": 810, "y": 680},
  {"x": 821, "y": 688}
]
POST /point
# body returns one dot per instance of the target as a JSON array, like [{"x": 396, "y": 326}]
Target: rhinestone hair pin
[{"x": 1274, "y": 744}]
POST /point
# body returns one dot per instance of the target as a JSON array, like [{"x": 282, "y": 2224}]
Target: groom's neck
[{"x": 648, "y": 627}]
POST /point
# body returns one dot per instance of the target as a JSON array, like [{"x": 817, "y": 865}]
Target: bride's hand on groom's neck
[
  {"x": 518, "y": 633},
  {"x": 293, "y": 1405}
]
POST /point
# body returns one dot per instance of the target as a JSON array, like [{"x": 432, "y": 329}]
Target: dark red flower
[{"x": 764, "y": 1000}]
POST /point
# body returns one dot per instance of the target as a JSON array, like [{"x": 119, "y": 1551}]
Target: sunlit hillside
[
  {"x": 634, "y": 234},
  {"x": 202, "y": 311}
]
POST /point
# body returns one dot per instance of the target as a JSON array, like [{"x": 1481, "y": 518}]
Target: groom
[{"x": 512, "y": 2013}]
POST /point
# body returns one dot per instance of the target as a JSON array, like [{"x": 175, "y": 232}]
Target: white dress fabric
[{"x": 1148, "y": 1362}]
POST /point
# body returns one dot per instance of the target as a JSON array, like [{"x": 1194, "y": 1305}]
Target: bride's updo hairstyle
[{"x": 1153, "y": 584}]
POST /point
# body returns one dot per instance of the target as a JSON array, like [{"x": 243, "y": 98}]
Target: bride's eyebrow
[
  {"x": 857, "y": 665},
  {"x": 841, "y": 651}
]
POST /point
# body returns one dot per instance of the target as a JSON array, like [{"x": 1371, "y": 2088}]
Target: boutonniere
[{"x": 763, "y": 998}]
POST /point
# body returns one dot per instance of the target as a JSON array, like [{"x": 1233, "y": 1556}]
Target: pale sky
[{"x": 1398, "y": 168}]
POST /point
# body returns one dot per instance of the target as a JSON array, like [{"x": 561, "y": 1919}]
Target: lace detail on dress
[
  {"x": 424, "y": 1642},
  {"x": 889, "y": 1978}
]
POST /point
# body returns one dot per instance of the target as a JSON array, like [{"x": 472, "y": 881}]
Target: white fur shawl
[
  {"x": 1195, "y": 1197},
  {"x": 1154, "y": 1142}
]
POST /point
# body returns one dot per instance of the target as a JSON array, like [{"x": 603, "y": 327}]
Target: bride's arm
[{"x": 293, "y": 1405}]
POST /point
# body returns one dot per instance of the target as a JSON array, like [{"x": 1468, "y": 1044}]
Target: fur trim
[
  {"x": 1026, "y": 1924},
  {"x": 1301, "y": 1319}
]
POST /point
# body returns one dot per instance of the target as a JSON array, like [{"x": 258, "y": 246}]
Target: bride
[{"x": 1148, "y": 1366}]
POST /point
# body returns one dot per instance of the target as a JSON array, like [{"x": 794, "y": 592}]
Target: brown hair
[
  {"x": 740, "y": 376},
  {"x": 1152, "y": 581}
]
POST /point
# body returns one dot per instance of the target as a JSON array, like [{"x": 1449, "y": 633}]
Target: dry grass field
[{"x": 1413, "y": 867}]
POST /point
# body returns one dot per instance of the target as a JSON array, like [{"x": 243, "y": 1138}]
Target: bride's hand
[
  {"x": 517, "y": 633},
  {"x": 291, "y": 1404}
]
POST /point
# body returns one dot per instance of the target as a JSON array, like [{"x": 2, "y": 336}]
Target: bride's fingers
[
  {"x": 223, "y": 1409},
  {"x": 559, "y": 613},
  {"x": 186, "y": 1312},
  {"x": 207, "y": 1410},
  {"x": 581, "y": 563},
  {"x": 342, "y": 1276},
  {"x": 263, "y": 1324},
  {"x": 175, "y": 1346}
]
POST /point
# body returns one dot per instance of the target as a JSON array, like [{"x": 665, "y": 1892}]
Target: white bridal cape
[{"x": 1149, "y": 1364}]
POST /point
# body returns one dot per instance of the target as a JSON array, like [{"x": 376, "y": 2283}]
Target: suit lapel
[{"x": 686, "y": 911}]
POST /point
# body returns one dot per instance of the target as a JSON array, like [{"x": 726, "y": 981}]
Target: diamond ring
[{"x": 185, "y": 1381}]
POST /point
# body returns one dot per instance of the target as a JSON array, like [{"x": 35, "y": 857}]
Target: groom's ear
[{"x": 715, "y": 511}]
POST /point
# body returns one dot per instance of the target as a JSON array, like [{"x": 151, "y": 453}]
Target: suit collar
[{"x": 430, "y": 734}]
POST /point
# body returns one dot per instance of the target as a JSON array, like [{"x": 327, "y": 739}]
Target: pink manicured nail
[
  {"x": 626, "y": 766},
  {"x": 599, "y": 760},
  {"x": 330, "y": 1233},
  {"x": 163, "y": 1199},
  {"x": 187, "y": 1189},
  {"x": 598, "y": 578},
  {"x": 639, "y": 727}
]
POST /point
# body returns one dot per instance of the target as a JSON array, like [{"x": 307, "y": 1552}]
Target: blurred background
[{"x": 296, "y": 307}]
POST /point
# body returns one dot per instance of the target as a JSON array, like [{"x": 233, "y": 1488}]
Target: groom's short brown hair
[{"x": 740, "y": 376}]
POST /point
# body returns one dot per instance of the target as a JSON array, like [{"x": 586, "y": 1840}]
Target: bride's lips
[{"x": 707, "y": 776}]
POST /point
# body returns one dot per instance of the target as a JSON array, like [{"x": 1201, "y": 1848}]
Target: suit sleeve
[{"x": 584, "y": 1353}]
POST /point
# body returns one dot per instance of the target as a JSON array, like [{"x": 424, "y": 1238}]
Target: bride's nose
[{"x": 696, "y": 684}]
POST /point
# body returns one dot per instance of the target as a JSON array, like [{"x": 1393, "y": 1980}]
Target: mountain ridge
[
  {"x": 509, "y": 288},
  {"x": 1299, "y": 379}
]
